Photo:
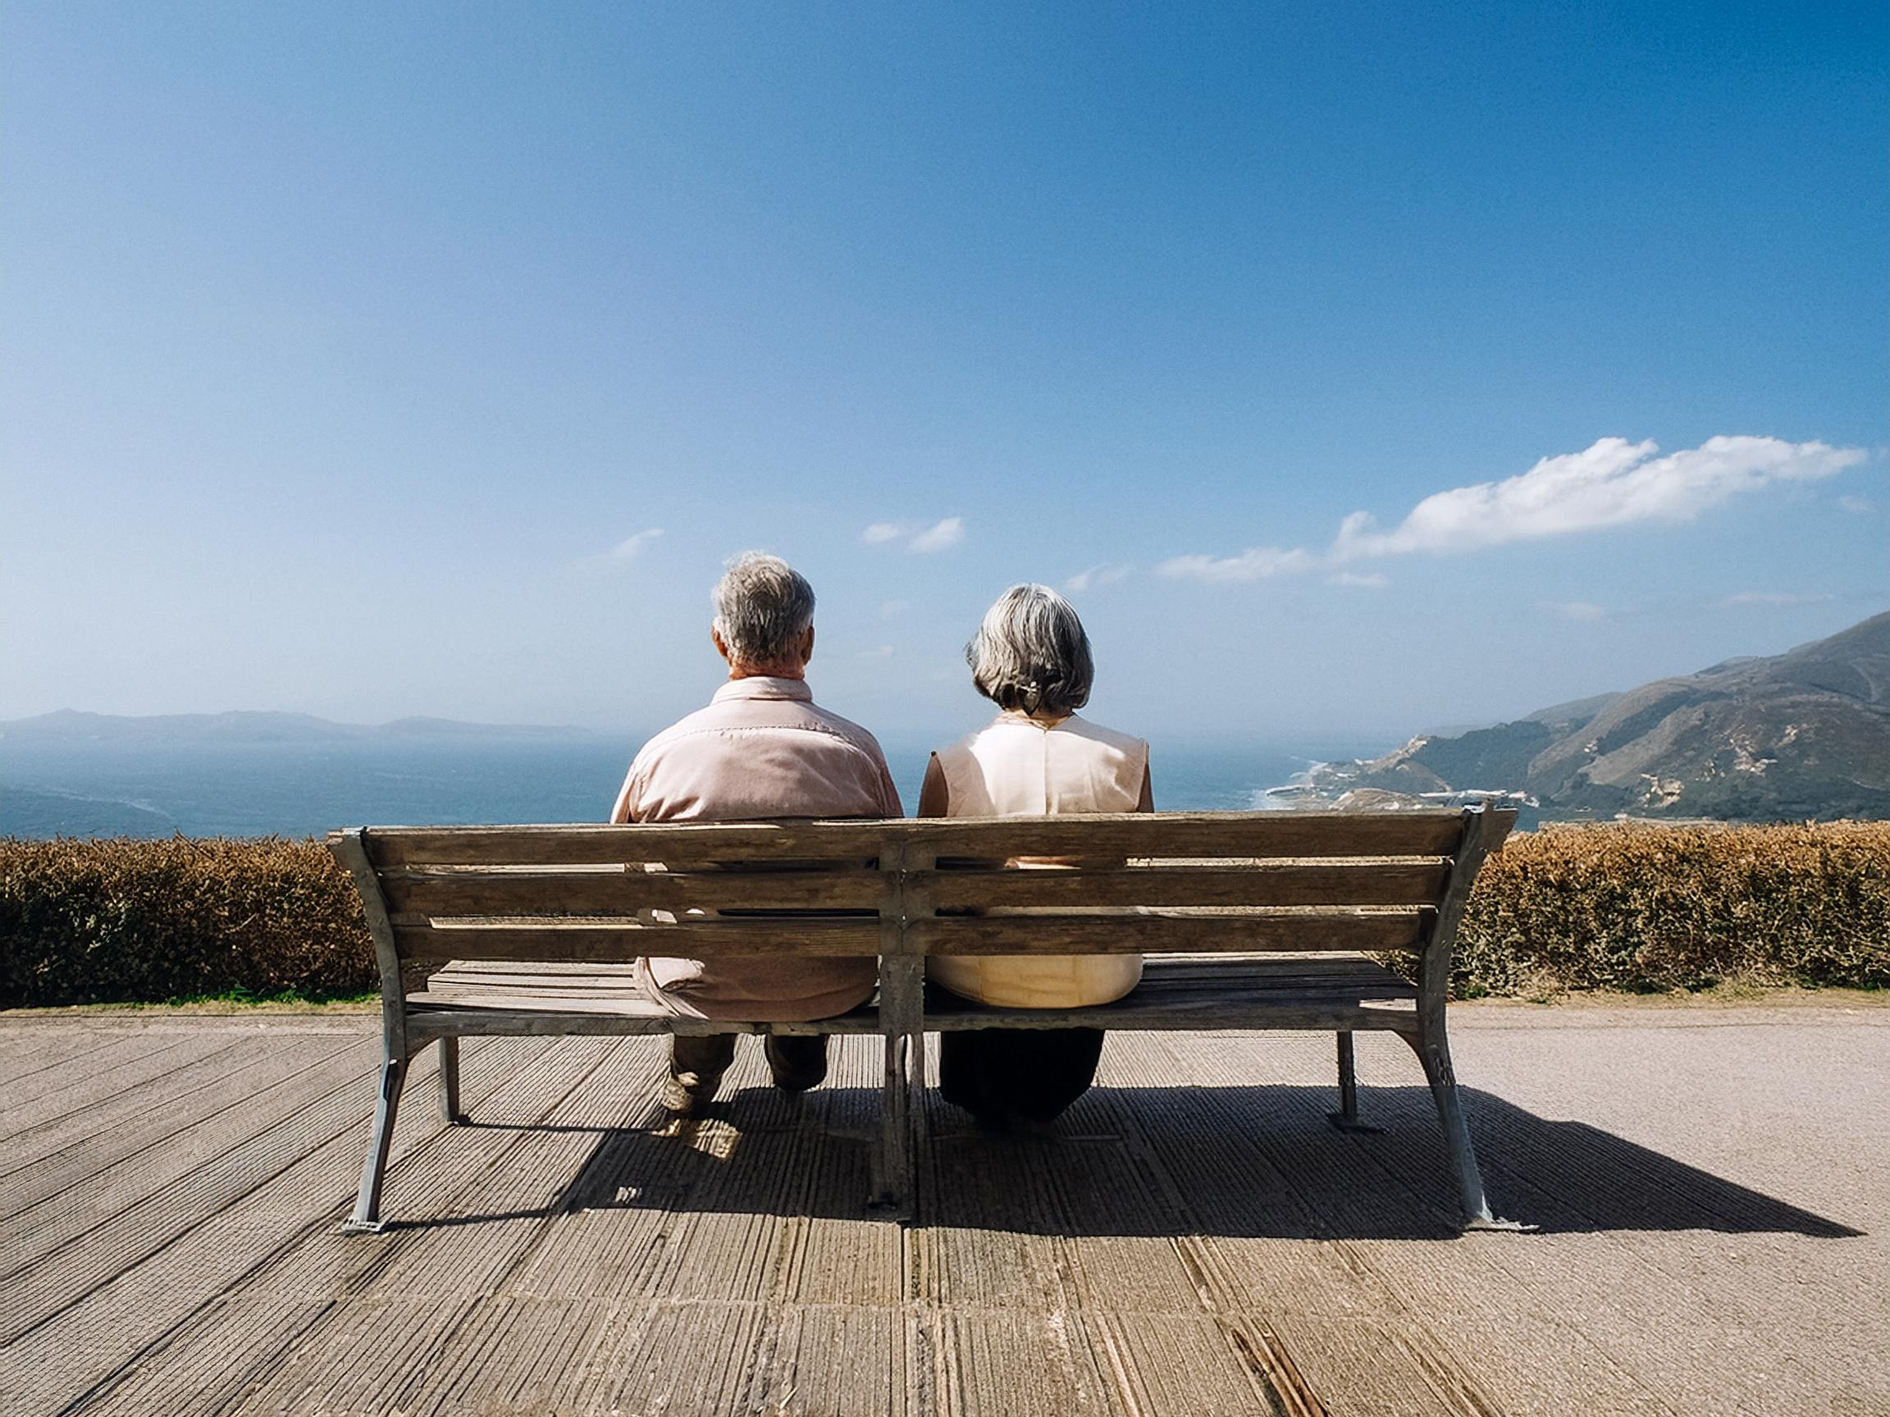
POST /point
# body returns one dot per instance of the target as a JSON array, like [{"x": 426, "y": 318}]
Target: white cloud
[
  {"x": 1578, "y": 610},
  {"x": 1860, "y": 505},
  {"x": 890, "y": 608},
  {"x": 1609, "y": 484},
  {"x": 1255, "y": 564},
  {"x": 877, "y": 652},
  {"x": 940, "y": 536},
  {"x": 1774, "y": 597},
  {"x": 1369, "y": 580},
  {"x": 1613, "y": 483},
  {"x": 1108, "y": 573},
  {"x": 632, "y": 546}
]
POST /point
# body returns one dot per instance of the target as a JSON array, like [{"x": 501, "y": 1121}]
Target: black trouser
[{"x": 1023, "y": 1072}]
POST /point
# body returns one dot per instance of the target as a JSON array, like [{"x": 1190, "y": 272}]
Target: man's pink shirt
[{"x": 761, "y": 749}]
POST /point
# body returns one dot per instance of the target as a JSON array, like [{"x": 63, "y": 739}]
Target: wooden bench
[{"x": 535, "y": 930}]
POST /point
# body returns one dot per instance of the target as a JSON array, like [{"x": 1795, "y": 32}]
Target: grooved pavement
[{"x": 1713, "y": 1187}]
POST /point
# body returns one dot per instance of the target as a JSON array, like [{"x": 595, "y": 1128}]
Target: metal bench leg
[
  {"x": 367, "y": 1205},
  {"x": 449, "y": 1081},
  {"x": 1346, "y": 1118},
  {"x": 1434, "y": 1054}
]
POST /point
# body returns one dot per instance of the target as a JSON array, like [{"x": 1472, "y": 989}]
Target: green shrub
[
  {"x": 123, "y": 920},
  {"x": 1648, "y": 907}
]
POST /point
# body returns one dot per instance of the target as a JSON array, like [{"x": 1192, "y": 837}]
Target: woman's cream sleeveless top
[{"x": 1018, "y": 767}]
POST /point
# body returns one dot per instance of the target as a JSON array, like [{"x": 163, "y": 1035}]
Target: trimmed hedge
[
  {"x": 1637, "y": 908},
  {"x": 121, "y": 920},
  {"x": 1652, "y": 907}
]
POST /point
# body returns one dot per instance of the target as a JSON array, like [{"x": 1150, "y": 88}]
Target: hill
[
  {"x": 1800, "y": 735},
  {"x": 72, "y": 728}
]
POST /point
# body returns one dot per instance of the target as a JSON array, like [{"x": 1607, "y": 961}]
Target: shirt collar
[
  {"x": 1018, "y": 716},
  {"x": 764, "y": 686}
]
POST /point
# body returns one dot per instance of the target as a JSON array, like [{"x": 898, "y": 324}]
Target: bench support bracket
[
  {"x": 367, "y": 1206},
  {"x": 1431, "y": 1042},
  {"x": 352, "y": 851}
]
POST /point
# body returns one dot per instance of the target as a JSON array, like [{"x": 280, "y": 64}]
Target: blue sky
[{"x": 374, "y": 360}]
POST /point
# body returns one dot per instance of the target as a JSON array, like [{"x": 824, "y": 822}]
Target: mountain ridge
[
  {"x": 1803, "y": 734},
  {"x": 75, "y": 726}
]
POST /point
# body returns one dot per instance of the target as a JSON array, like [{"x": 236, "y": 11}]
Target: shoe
[{"x": 687, "y": 1094}]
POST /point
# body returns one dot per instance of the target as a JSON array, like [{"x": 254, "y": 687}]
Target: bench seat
[
  {"x": 486, "y": 997},
  {"x": 1178, "y": 992},
  {"x": 1284, "y": 991}
]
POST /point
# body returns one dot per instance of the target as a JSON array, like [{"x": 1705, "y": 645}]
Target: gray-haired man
[{"x": 761, "y": 749}]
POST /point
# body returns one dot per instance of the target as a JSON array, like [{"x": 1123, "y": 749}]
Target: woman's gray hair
[
  {"x": 1031, "y": 653},
  {"x": 762, "y": 608}
]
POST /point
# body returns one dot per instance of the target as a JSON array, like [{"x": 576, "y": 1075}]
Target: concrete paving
[{"x": 1712, "y": 1187}]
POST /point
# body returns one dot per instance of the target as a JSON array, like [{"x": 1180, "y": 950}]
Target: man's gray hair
[
  {"x": 762, "y": 608},
  {"x": 1031, "y": 653}
]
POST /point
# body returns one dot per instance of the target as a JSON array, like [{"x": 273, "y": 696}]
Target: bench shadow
[{"x": 1219, "y": 1161}]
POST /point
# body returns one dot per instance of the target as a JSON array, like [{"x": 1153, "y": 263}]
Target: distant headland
[
  {"x": 73, "y": 727},
  {"x": 1796, "y": 736}
]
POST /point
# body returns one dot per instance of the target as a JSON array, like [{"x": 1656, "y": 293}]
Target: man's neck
[{"x": 767, "y": 671}]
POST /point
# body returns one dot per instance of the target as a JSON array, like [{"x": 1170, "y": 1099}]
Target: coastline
[{"x": 1295, "y": 792}]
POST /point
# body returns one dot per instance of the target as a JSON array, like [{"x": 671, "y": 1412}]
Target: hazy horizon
[
  {"x": 911, "y": 731},
  {"x": 903, "y": 737}
]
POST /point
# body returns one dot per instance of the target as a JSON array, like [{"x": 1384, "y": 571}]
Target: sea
[{"x": 103, "y": 789}]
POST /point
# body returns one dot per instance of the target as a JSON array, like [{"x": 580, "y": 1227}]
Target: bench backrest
[{"x": 1154, "y": 882}]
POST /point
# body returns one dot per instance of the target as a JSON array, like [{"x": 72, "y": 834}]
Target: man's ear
[
  {"x": 807, "y": 645},
  {"x": 715, "y": 638}
]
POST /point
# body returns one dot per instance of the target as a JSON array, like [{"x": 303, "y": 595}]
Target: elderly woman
[{"x": 1031, "y": 657}]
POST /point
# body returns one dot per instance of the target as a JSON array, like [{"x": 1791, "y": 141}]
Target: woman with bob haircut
[{"x": 1031, "y": 657}]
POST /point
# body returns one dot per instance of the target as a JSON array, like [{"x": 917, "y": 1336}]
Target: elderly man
[{"x": 762, "y": 748}]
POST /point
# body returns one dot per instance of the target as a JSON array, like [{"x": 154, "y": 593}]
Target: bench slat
[
  {"x": 454, "y": 1020},
  {"x": 628, "y": 1006},
  {"x": 1145, "y": 932},
  {"x": 586, "y": 941},
  {"x": 547, "y": 892},
  {"x": 1153, "y": 932},
  {"x": 1194, "y": 834},
  {"x": 474, "y": 892},
  {"x": 441, "y": 987},
  {"x": 529, "y": 1020},
  {"x": 1241, "y": 834},
  {"x": 597, "y": 971},
  {"x": 688, "y": 843},
  {"x": 1264, "y": 1010},
  {"x": 1322, "y": 992},
  {"x": 841, "y": 843},
  {"x": 1302, "y": 883}
]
